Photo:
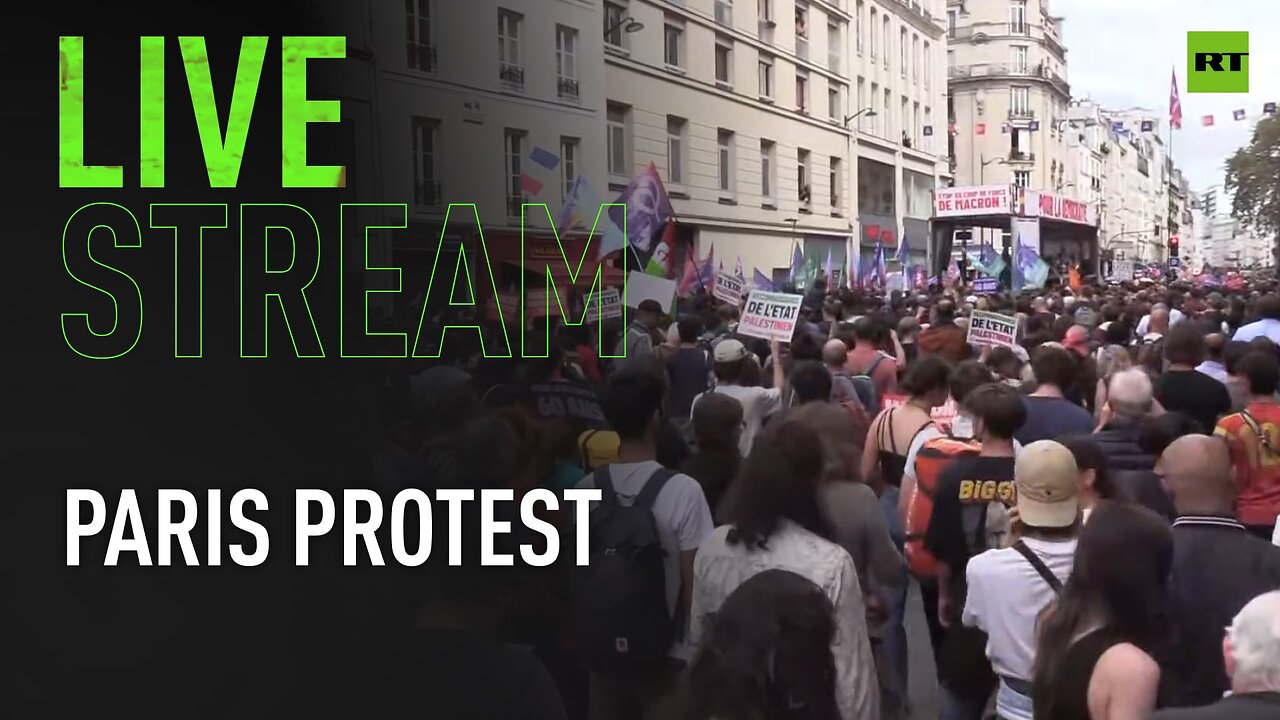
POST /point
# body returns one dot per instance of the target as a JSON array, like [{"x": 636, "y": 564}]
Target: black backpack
[
  {"x": 619, "y": 598},
  {"x": 865, "y": 386}
]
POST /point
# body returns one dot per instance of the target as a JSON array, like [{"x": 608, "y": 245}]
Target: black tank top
[
  {"x": 1065, "y": 696},
  {"x": 893, "y": 465}
]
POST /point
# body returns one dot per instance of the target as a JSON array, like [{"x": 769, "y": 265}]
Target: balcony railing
[
  {"x": 511, "y": 75},
  {"x": 427, "y": 193},
  {"x": 1020, "y": 156},
  {"x": 1021, "y": 114},
  {"x": 422, "y": 57},
  {"x": 567, "y": 88}
]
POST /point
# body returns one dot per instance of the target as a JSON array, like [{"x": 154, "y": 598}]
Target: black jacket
[
  {"x": 1145, "y": 488},
  {"x": 1119, "y": 443},
  {"x": 1252, "y": 706}
]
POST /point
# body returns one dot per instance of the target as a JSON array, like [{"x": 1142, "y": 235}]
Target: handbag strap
[{"x": 1039, "y": 566}]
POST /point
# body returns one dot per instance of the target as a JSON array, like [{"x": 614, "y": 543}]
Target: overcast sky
[{"x": 1120, "y": 53}]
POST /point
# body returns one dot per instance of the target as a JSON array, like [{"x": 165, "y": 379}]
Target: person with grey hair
[
  {"x": 1130, "y": 398},
  {"x": 1251, "y": 655}
]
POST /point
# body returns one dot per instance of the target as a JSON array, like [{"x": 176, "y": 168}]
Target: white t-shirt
[
  {"x": 757, "y": 404},
  {"x": 680, "y": 513},
  {"x": 1005, "y": 598}
]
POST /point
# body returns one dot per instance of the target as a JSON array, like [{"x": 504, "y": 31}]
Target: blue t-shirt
[{"x": 1049, "y": 418}]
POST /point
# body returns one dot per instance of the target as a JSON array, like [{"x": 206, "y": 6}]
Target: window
[
  {"x": 888, "y": 109},
  {"x": 833, "y": 102},
  {"x": 510, "y": 71},
  {"x": 765, "y": 9},
  {"x": 928, "y": 64},
  {"x": 1018, "y": 17},
  {"x": 802, "y": 177},
  {"x": 766, "y": 171},
  {"x": 915, "y": 125},
  {"x": 724, "y": 142},
  {"x": 1022, "y": 178},
  {"x": 862, "y": 103},
  {"x": 724, "y": 62},
  {"x": 567, "y": 62},
  {"x": 802, "y": 91},
  {"x": 673, "y": 46},
  {"x": 569, "y": 159},
  {"x": 1019, "y": 101},
  {"x": 834, "y": 183},
  {"x": 802, "y": 21},
  {"x": 616, "y": 139},
  {"x": 951, "y": 23},
  {"x": 884, "y": 22},
  {"x": 905, "y": 118},
  {"x": 515, "y": 156},
  {"x": 426, "y": 188},
  {"x": 915, "y": 59},
  {"x": 928, "y": 121},
  {"x": 724, "y": 12},
  {"x": 676, "y": 128},
  {"x": 858, "y": 22},
  {"x": 902, "y": 51},
  {"x": 766, "y": 76},
  {"x": 874, "y": 42},
  {"x": 877, "y": 115},
  {"x": 1018, "y": 58},
  {"x": 418, "y": 39},
  {"x": 833, "y": 47},
  {"x": 613, "y": 14}
]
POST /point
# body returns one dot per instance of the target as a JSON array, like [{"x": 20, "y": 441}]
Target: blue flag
[
  {"x": 545, "y": 158},
  {"x": 761, "y": 282},
  {"x": 797, "y": 263}
]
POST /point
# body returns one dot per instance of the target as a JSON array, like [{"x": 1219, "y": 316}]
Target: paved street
[{"x": 923, "y": 682}]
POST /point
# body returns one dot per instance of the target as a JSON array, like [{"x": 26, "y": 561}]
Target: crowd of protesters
[{"x": 1091, "y": 529}]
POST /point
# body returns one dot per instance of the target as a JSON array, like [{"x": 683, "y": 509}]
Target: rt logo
[{"x": 1217, "y": 62}]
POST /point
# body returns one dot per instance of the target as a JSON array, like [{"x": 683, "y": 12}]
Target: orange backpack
[{"x": 932, "y": 458}]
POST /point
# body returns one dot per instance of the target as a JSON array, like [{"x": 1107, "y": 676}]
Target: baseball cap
[
  {"x": 730, "y": 350},
  {"x": 1047, "y": 480},
  {"x": 599, "y": 448}
]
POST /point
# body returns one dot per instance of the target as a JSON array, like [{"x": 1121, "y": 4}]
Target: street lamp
[
  {"x": 850, "y": 118},
  {"x": 982, "y": 170},
  {"x": 627, "y": 23}
]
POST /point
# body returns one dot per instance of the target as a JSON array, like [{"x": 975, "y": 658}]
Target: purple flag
[{"x": 761, "y": 282}]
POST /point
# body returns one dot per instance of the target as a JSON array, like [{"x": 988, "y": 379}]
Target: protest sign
[
  {"x": 943, "y": 415},
  {"x": 609, "y": 305},
  {"x": 770, "y": 315},
  {"x": 728, "y": 288},
  {"x": 986, "y": 285},
  {"x": 1122, "y": 271},
  {"x": 506, "y": 303},
  {"x": 988, "y": 328},
  {"x": 641, "y": 287}
]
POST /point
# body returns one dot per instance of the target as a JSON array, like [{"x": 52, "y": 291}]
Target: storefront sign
[
  {"x": 987, "y": 328},
  {"x": 728, "y": 288},
  {"x": 971, "y": 201},
  {"x": 770, "y": 315}
]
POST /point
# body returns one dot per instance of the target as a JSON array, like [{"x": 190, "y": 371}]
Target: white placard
[
  {"x": 988, "y": 328},
  {"x": 972, "y": 200},
  {"x": 1122, "y": 271},
  {"x": 609, "y": 305},
  {"x": 771, "y": 316},
  {"x": 641, "y": 287},
  {"x": 1057, "y": 207},
  {"x": 728, "y": 288}
]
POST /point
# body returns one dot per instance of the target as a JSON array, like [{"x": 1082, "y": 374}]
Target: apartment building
[
  {"x": 1007, "y": 73},
  {"x": 773, "y": 122}
]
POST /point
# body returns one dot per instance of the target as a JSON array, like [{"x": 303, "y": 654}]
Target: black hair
[
  {"x": 1089, "y": 456},
  {"x": 1234, "y": 351},
  {"x": 929, "y": 373},
  {"x": 999, "y": 407},
  {"x": 806, "y": 346},
  {"x": 968, "y": 376},
  {"x": 1262, "y": 371},
  {"x": 811, "y": 381},
  {"x": 1269, "y": 307},
  {"x": 1157, "y": 433},
  {"x": 779, "y": 480},
  {"x": 1054, "y": 366},
  {"x": 1119, "y": 577},
  {"x": 1184, "y": 345},
  {"x": 767, "y": 654},
  {"x": 690, "y": 327},
  {"x": 631, "y": 400}
]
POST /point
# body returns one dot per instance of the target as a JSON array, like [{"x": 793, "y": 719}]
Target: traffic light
[{"x": 1173, "y": 246}]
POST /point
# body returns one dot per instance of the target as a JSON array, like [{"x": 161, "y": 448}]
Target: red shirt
[{"x": 1257, "y": 469}]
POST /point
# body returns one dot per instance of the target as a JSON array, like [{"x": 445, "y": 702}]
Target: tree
[{"x": 1253, "y": 176}]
